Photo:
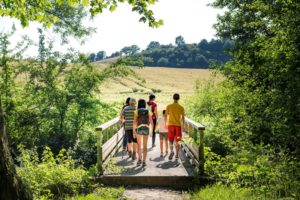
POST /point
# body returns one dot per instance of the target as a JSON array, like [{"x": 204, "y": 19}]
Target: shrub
[
  {"x": 51, "y": 175},
  {"x": 221, "y": 192},
  {"x": 101, "y": 194},
  {"x": 231, "y": 152}
]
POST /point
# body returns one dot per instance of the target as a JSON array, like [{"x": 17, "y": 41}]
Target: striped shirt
[{"x": 128, "y": 113}]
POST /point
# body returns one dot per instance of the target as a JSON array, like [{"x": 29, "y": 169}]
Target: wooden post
[
  {"x": 201, "y": 152},
  {"x": 99, "y": 151},
  {"x": 190, "y": 129},
  {"x": 117, "y": 139}
]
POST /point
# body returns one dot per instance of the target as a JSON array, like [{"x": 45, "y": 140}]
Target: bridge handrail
[
  {"x": 114, "y": 141},
  {"x": 195, "y": 124},
  {"x": 195, "y": 130},
  {"x": 108, "y": 124}
]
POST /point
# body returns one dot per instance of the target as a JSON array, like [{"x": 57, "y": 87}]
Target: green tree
[
  {"x": 55, "y": 12},
  {"x": 152, "y": 45},
  {"x": 92, "y": 57},
  {"x": 66, "y": 18},
  {"x": 179, "y": 41},
  {"x": 266, "y": 66},
  {"x": 101, "y": 55},
  {"x": 130, "y": 50},
  {"x": 163, "y": 62}
]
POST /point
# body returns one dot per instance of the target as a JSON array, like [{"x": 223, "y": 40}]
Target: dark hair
[
  {"x": 141, "y": 103},
  {"x": 164, "y": 112},
  {"x": 176, "y": 97},
  {"x": 127, "y": 101},
  {"x": 152, "y": 96}
]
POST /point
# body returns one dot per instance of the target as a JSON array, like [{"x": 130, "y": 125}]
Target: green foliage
[
  {"x": 221, "y": 192},
  {"x": 101, "y": 194},
  {"x": 155, "y": 91},
  {"x": 53, "y": 100},
  {"x": 255, "y": 112},
  {"x": 266, "y": 67},
  {"x": 231, "y": 154},
  {"x": 184, "y": 55},
  {"x": 68, "y": 15},
  {"x": 51, "y": 176}
]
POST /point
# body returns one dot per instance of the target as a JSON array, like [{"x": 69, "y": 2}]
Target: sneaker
[
  {"x": 161, "y": 155},
  {"x": 167, "y": 153},
  {"x": 176, "y": 157},
  {"x": 144, "y": 164},
  {"x": 133, "y": 156},
  {"x": 139, "y": 162},
  {"x": 153, "y": 145},
  {"x": 171, "y": 155}
]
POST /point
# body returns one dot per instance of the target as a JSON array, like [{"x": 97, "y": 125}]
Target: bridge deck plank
[{"x": 156, "y": 166}]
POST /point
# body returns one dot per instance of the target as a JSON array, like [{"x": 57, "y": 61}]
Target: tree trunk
[{"x": 11, "y": 187}]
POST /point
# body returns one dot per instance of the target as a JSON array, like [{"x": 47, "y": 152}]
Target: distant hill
[
  {"x": 108, "y": 60},
  {"x": 180, "y": 55}
]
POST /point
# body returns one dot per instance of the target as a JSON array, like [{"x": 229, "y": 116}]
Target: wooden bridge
[{"x": 115, "y": 168}]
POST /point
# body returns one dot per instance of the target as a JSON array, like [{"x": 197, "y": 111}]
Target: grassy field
[{"x": 161, "y": 81}]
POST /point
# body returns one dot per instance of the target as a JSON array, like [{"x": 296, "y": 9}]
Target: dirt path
[{"x": 154, "y": 194}]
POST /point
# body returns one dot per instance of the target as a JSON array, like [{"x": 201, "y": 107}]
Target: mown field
[{"x": 161, "y": 81}]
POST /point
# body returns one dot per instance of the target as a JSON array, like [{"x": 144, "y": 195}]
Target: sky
[{"x": 192, "y": 19}]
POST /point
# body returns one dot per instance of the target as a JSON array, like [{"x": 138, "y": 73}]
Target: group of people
[{"x": 142, "y": 121}]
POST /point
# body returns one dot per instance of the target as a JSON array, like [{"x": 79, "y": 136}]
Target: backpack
[{"x": 143, "y": 120}]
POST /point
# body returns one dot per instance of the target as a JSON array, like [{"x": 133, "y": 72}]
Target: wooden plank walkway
[{"x": 160, "y": 171}]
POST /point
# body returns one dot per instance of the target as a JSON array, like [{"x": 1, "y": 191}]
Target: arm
[
  {"x": 151, "y": 123},
  {"x": 167, "y": 117},
  {"x": 134, "y": 126},
  {"x": 182, "y": 121},
  {"x": 155, "y": 112},
  {"x": 157, "y": 125}
]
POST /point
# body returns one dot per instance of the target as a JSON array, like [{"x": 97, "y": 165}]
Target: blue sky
[{"x": 192, "y": 19}]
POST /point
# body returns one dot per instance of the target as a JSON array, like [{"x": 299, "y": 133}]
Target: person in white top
[{"x": 163, "y": 133}]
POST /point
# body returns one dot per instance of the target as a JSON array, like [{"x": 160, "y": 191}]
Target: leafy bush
[
  {"x": 101, "y": 194},
  {"x": 156, "y": 90},
  {"x": 232, "y": 153},
  {"x": 51, "y": 175},
  {"x": 221, "y": 192}
]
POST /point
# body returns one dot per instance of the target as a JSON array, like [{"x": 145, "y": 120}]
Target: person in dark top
[
  {"x": 152, "y": 106},
  {"x": 142, "y": 127},
  {"x": 125, "y": 139}
]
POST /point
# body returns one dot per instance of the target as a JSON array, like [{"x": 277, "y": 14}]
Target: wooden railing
[
  {"x": 109, "y": 139},
  {"x": 194, "y": 150},
  {"x": 110, "y": 136}
]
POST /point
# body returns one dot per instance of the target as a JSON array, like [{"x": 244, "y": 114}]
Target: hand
[
  {"x": 182, "y": 129},
  {"x": 134, "y": 135}
]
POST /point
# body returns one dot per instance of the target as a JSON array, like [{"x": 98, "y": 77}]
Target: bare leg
[
  {"x": 161, "y": 145},
  {"x": 129, "y": 147},
  {"x": 171, "y": 145},
  {"x": 135, "y": 147},
  {"x": 145, "y": 142},
  {"x": 139, "y": 143},
  {"x": 177, "y": 148},
  {"x": 166, "y": 144}
]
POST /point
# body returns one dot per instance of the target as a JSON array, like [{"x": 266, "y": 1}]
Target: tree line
[{"x": 179, "y": 55}]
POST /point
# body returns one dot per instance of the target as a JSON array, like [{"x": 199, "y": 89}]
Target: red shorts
[{"x": 174, "y": 132}]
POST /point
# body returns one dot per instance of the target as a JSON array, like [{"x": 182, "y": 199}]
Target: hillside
[{"x": 162, "y": 81}]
